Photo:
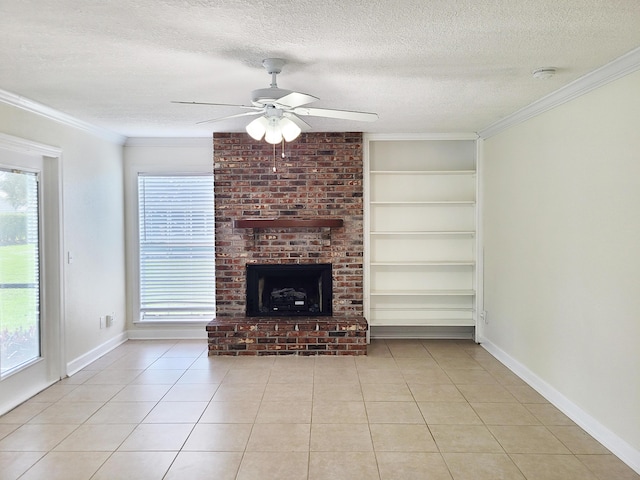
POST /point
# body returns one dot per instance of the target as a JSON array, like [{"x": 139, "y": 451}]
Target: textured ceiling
[{"x": 422, "y": 65}]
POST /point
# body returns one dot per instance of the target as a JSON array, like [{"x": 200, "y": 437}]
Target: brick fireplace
[
  {"x": 305, "y": 208},
  {"x": 289, "y": 289}
]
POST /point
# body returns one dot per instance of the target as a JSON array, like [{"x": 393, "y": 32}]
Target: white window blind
[{"x": 176, "y": 219}]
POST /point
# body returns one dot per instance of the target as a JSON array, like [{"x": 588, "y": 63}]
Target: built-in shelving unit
[{"x": 420, "y": 252}]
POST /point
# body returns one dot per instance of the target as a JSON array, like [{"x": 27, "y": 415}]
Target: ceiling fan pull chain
[{"x": 274, "y": 158}]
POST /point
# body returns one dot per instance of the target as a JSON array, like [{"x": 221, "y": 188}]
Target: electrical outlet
[
  {"x": 110, "y": 320},
  {"x": 485, "y": 316}
]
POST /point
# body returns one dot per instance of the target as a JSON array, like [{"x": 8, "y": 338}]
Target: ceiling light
[
  {"x": 273, "y": 134},
  {"x": 544, "y": 73},
  {"x": 257, "y": 128},
  {"x": 290, "y": 130},
  {"x": 273, "y": 129}
]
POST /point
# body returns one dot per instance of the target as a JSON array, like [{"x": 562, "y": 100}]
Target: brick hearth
[
  {"x": 288, "y": 336},
  {"x": 320, "y": 178}
]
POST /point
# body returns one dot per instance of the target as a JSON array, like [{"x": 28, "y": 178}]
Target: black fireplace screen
[{"x": 289, "y": 290}]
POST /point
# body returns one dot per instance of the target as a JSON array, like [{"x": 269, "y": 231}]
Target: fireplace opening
[{"x": 289, "y": 290}]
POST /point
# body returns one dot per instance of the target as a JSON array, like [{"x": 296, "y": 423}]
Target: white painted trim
[
  {"x": 366, "y": 233},
  {"x": 52, "y": 255},
  {"x": 59, "y": 117},
  {"x": 180, "y": 142},
  {"x": 53, "y": 175},
  {"x": 479, "y": 245},
  {"x": 592, "y": 426},
  {"x": 614, "y": 70},
  {"x": 421, "y": 332},
  {"x": 368, "y": 137},
  {"x": 21, "y": 145},
  {"x": 187, "y": 332},
  {"x": 26, "y": 395},
  {"x": 85, "y": 359}
]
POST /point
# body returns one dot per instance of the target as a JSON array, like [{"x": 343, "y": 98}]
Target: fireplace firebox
[{"x": 287, "y": 290}]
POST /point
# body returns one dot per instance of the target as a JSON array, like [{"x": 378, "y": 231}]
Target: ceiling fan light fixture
[
  {"x": 257, "y": 128},
  {"x": 273, "y": 132},
  {"x": 290, "y": 130},
  {"x": 273, "y": 129}
]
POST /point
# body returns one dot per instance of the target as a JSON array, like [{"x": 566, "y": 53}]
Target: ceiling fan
[{"x": 279, "y": 110}]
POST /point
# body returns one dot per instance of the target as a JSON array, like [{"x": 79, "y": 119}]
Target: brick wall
[{"x": 321, "y": 177}]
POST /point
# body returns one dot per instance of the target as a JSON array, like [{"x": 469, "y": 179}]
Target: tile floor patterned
[{"x": 411, "y": 409}]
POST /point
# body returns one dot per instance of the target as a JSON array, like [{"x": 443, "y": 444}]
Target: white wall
[
  {"x": 93, "y": 228},
  {"x": 562, "y": 261},
  {"x": 157, "y": 155}
]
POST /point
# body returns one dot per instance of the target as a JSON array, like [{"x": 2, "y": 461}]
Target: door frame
[{"x": 52, "y": 276}]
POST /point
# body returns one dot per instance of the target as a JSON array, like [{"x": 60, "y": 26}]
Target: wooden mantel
[{"x": 289, "y": 223}]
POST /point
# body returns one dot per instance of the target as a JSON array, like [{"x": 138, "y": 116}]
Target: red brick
[
  {"x": 321, "y": 173},
  {"x": 257, "y": 336},
  {"x": 321, "y": 176}
]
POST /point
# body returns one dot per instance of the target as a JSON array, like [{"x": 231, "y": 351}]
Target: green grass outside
[{"x": 18, "y": 306}]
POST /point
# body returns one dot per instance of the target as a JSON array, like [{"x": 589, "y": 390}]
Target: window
[
  {"x": 19, "y": 270},
  {"x": 176, "y": 241}
]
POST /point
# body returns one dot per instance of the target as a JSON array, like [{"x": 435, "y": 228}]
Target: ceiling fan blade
[
  {"x": 229, "y": 116},
  {"x": 251, "y": 107},
  {"x": 295, "y": 99},
  {"x": 302, "y": 125},
  {"x": 341, "y": 114}
]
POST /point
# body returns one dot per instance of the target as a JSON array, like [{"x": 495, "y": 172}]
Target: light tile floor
[{"x": 429, "y": 410}]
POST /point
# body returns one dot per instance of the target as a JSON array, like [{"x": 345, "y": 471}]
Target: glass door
[
  {"x": 20, "y": 322},
  {"x": 30, "y": 275}
]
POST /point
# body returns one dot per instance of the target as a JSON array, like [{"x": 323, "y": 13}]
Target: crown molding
[
  {"x": 614, "y": 70},
  {"x": 420, "y": 136},
  {"x": 59, "y": 117},
  {"x": 180, "y": 142},
  {"x": 22, "y": 145}
]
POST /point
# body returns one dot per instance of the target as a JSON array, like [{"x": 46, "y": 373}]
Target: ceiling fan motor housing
[
  {"x": 273, "y": 65},
  {"x": 264, "y": 96}
]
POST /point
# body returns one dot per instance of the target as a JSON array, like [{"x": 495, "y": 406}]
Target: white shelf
[
  {"x": 422, "y": 217},
  {"x": 428, "y": 202},
  {"x": 422, "y": 172},
  {"x": 422, "y": 316},
  {"x": 406, "y": 232},
  {"x": 443, "y": 263},
  {"x": 425, "y": 293},
  {"x": 413, "y": 309},
  {"x": 423, "y": 322}
]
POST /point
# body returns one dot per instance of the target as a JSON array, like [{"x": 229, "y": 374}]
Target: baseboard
[
  {"x": 187, "y": 332},
  {"x": 592, "y": 426},
  {"x": 420, "y": 332},
  {"x": 164, "y": 332},
  {"x": 83, "y": 360},
  {"x": 30, "y": 391}
]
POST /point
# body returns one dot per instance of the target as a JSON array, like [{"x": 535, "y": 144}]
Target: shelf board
[
  {"x": 442, "y": 263},
  {"x": 431, "y": 202},
  {"x": 422, "y": 172},
  {"x": 430, "y": 232},
  {"x": 426, "y": 309},
  {"x": 289, "y": 223},
  {"x": 423, "y": 293},
  {"x": 462, "y": 322}
]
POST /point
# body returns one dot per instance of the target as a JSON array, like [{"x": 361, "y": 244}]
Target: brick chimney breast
[{"x": 319, "y": 178}]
